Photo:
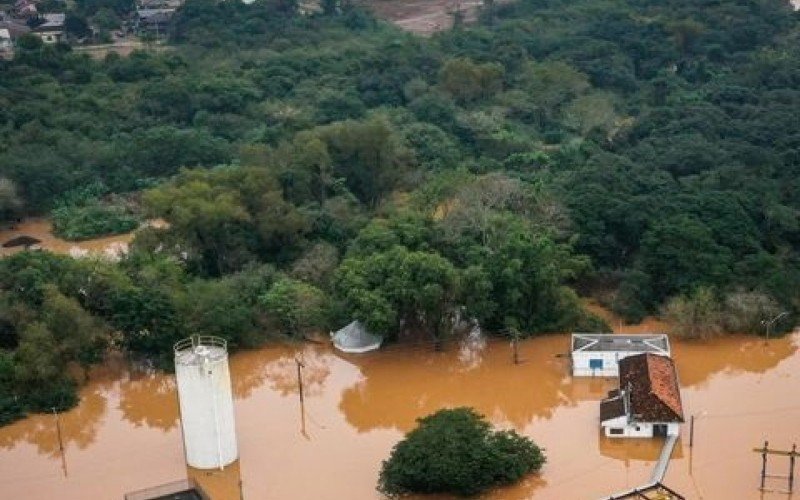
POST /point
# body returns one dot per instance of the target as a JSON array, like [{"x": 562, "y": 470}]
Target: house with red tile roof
[{"x": 648, "y": 401}]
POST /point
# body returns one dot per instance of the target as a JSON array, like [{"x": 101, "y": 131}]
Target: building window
[
  {"x": 596, "y": 364},
  {"x": 616, "y": 431},
  {"x": 637, "y": 428}
]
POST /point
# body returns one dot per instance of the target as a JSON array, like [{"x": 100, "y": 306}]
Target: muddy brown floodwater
[
  {"x": 125, "y": 434},
  {"x": 42, "y": 229}
]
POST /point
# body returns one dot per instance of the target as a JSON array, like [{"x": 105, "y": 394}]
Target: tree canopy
[
  {"x": 456, "y": 451},
  {"x": 312, "y": 168}
]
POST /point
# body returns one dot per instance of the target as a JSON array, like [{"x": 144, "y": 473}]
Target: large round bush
[{"x": 456, "y": 451}]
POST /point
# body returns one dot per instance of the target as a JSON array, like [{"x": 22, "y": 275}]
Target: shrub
[
  {"x": 295, "y": 307},
  {"x": 91, "y": 221},
  {"x": 79, "y": 214},
  {"x": 455, "y": 451},
  {"x": 695, "y": 315},
  {"x": 745, "y": 312}
]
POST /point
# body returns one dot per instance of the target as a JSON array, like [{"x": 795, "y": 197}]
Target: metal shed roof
[{"x": 648, "y": 342}]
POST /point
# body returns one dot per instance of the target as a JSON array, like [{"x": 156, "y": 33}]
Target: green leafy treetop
[{"x": 456, "y": 451}]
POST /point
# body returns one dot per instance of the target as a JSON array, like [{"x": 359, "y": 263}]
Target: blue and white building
[{"x": 598, "y": 354}]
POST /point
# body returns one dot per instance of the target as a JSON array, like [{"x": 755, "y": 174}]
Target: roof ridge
[{"x": 651, "y": 375}]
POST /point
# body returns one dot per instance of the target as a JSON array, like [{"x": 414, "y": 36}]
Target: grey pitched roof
[
  {"x": 52, "y": 22},
  {"x": 658, "y": 343},
  {"x": 155, "y": 15},
  {"x": 355, "y": 338},
  {"x": 612, "y": 408}
]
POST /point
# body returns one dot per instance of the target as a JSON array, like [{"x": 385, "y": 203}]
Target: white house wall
[
  {"x": 581, "y": 363},
  {"x": 636, "y": 430}
]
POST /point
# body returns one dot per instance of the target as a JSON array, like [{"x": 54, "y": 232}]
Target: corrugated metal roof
[{"x": 611, "y": 342}]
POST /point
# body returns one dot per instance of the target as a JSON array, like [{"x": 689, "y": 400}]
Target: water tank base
[{"x": 214, "y": 466}]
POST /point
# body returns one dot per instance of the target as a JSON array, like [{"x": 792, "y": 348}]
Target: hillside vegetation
[{"x": 318, "y": 169}]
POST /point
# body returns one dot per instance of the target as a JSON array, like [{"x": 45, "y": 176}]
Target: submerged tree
[
  {"x": 456, "y": 451},
  {"x": 10, "y": 202}
]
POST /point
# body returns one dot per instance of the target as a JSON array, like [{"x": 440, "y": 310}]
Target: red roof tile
[{"x": 653, "y": 384}]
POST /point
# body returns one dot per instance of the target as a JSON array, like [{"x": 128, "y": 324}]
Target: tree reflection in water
[
  {"x": 149, "y": 398},
  {"x": 470, "y": 348},
  {"x": 79, "y": 426},
  {"x": 697, "y": 361},
  {"x": 248, "y": 369},
  {"x": 281, "y": 374},
  {"x": 397, "y": 387}
]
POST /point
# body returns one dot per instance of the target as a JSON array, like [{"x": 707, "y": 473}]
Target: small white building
[
  {"x": 598, "y": 354},
  {"x": 6, "y": 44},
  {"x": 52, "y": 29},
  {"x": 648, "y": 401},
  {"x": 5, "y": 40}
]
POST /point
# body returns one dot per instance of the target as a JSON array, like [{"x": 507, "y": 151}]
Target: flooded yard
[
  {"x": 42, "y": 230},
  {"x": 125, "y": 435}
]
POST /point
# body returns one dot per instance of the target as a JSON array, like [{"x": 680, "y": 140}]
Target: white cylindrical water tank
[{"x": 206, "y": 402}]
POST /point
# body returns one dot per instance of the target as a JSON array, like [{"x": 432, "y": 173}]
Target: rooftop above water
[
  {"x": 197, "y": 350},
  {"x": 656, "y": 342}
]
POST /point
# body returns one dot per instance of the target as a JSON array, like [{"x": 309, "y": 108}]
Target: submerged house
[
  {"x": 599, "y": 354},
  {"x": 648, "y": 401}
]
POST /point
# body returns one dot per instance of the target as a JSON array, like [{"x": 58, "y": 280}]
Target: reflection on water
[
  {"x": 149, "y": 399},
  {"x": 124, "y": 435},
  {"x": 219, "y": 483},
  {"x": 470, "y": 352},
  {"x": 281, "y": 373},
  {"x": 79, "y": 427},
  {"x": 516, "y": 394},
  {"x": 643, "y": 450},
  {"x": 698, "y": 361}
]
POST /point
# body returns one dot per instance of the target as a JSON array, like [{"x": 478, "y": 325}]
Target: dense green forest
[{"x": 318, "y": 168}]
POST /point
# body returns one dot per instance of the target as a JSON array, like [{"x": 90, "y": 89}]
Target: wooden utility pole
[
  {"x": 60, "y": 442},
  {"x": 515, "y": 345},
  {"x": 765, "y": 452},
  {"x": 300, "y": 366},
  {"x": 299, "y": 377},
  {"x": 58, "y": 432},
  {"x": 769, "y": 324},
  {"x": 691, "y": 426}
]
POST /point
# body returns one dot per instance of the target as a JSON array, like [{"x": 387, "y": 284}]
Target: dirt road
[{"x": 424, "y": 17}]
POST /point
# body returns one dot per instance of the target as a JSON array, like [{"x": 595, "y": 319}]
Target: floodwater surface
[
  {"x": 42, "y": 229},
  {"x": 125, "y": 434}
]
